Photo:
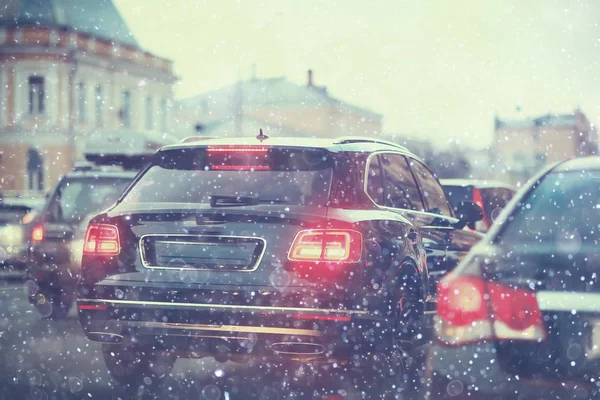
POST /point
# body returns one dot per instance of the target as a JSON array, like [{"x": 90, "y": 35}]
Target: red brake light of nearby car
[
  {"x": 335, "y": 245},
  {"x": 470, "y": 310},
  {"x": 477, "y": 197},
  {"x": 238, "y": 158},
  {"x": 101, "y": 239},
  {"x": 237, "y": 149},
  {"x": 37, "y": 234},
  {"x": 240, "y": 167}
]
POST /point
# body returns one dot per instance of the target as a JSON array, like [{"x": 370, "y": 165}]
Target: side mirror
[{"x": 468, "y": 212}]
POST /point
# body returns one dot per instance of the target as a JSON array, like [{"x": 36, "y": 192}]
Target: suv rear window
[
  {"x": 273, "y": 175},
  {"x": 12, "y": 214}
]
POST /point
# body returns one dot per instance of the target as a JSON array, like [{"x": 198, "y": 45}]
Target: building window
[
  {"x": 81, "y": 101},
  {"x": 36, "y": 95},
  {"x": 126, "y": 109},
  {"x": 149, "y": 121},
  {"x": 99, "y": 106},
  {"x": 35, "y": 170},
  {"x": 163, "y": 115}
]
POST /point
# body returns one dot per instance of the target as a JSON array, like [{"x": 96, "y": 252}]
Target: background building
[
  {"x": 276, "y": 105},
  {"x": 68, "y": 68},
  {"x": 521, "y": 147}
]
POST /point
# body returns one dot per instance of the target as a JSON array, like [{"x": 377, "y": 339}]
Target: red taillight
[
  {"x": 240, "y": 167},
  {"x": 37, "y": 234},
  {"x": 101, "y": 239},
  {"x": 238, "y": 158},
  {"x": 237, "y": 149},
  {"x": 93, "y": 307},
  {"x": 470, "y": 309},
  {"x": 335, "y": 245}
]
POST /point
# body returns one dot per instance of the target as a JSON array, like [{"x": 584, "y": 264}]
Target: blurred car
[
  {"x": 520, "y": 317},
  {"x": 282, "y": 250},
  {"x": 15, "y": 214},
  {"x": 57, "y": 234},
  {"x": 491, "y": 196}
]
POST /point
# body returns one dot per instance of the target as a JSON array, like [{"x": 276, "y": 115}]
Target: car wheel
[
  {"x": 131, "y": 364},
  {"x": 53, "y": 304}
]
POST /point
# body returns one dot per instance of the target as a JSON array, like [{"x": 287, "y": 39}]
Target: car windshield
[
  {"x": 563, "y": 210},
  {"x": 286, "y": 176},
  {"x": 77, "y": 198}
]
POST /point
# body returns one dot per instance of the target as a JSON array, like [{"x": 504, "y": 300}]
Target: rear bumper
[
  {"x": 54, "y": 262},
  {"x": 250, "y": 330},
  {"x": 474, "y": 372}
]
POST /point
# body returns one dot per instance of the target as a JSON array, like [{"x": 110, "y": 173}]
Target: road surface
[{"x": 51, "y": 359}]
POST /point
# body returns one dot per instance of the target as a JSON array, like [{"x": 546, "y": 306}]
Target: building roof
[
  {"x": 98, "y": 18},
  {"x": 548, "y": 120},
  {"x": 265, "y": 91}
]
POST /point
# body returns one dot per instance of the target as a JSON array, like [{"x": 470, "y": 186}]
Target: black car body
[
  {"x": 284, "y": 248},
  {"x": 16, "y": 213},
  {"x": 491, "y": 196},
  {"x": 519, "y": 318},
  {"x": 56, "y": 235}
]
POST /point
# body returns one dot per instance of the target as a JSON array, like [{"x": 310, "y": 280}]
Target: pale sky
[{"x": 434, "y": 69}]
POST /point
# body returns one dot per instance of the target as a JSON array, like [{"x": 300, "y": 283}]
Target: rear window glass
[
  {"x": 12, "y": 214},
  {"x": 457, "y": 194},
  {"x": 278, "y": 176},
  {"x": 75, "y": 199},
  {"x": 563, "y": 212},
  {"x": 495, "y": 199}
]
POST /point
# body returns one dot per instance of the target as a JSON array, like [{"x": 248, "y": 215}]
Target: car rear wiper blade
[{"x": 233, "y": 201}]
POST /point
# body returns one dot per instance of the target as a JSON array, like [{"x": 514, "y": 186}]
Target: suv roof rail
[
  {"x": 362, "y": 139},
  {"x": 190, "y": 139}
]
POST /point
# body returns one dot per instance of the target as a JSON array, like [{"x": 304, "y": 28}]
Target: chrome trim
[
  {"x": 120, "y": 338},
  {"x": 366, "y": 192},
  {"x": 568, "y": 301},
  {"x": 220, "y": 306},
  {"x": 297, "y": 353},
  {"x": 226, "y": 328},
  {"x": 364, "y": 139},
  {"x": 145, "y": 264}
]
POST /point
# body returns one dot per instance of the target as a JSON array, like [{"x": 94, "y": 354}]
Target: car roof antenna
[{"x": 261, "y": 136}]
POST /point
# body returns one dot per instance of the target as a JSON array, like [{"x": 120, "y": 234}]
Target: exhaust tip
[
  {"x": 298, "y": 349},
  {"x": 104, "y": 337}
]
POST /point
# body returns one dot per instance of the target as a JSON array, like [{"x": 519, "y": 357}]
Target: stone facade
[
  {"x": 523, "y": 147},
  {"x": 58, "y": 85}
]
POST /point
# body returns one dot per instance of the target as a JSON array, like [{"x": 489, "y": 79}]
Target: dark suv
[
  {"x": 57, "y": 233},
  {"x": 290, "y": 249}
]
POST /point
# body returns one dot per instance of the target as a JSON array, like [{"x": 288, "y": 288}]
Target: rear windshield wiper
[{"x": 233, "y": 201}]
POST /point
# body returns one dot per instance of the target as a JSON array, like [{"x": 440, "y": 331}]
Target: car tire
[{"x": 131, "y": 364}]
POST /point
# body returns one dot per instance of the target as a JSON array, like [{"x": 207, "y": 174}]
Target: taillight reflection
[
  {"x": 335, "y": 245},
  {"x": 101, "y": 239},
  {"x": 470, "y": 309}
]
